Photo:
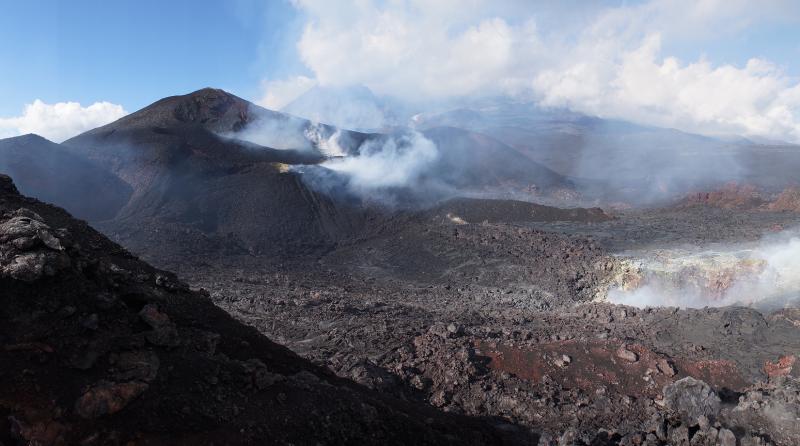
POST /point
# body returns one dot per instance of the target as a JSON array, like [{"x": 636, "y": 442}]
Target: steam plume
[
  {"x": 383, "y": 170},
  {"x": 766, "y": 275}
]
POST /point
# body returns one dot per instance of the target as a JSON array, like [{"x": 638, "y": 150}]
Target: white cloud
[
  {"x": 60, "y": 121},
  {"x": 406, "y": 49},
  {"x": 278, "y": 93},
  {"x": 608, "y": 61},
  {"x": 639, "y": 85}
]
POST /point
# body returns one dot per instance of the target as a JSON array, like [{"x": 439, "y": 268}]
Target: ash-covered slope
[
  {"x": 222, "y": 113},
  {"x": 475, "y": 210},
  {"x": 209, "y": 191},
  {"x": 46, "y": 170},
  {"x": 473, "y": 160},
  {"x": 610, "y": 159},
  {"x": 100, "y": 348}
]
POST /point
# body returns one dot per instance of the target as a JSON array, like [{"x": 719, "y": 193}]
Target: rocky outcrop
[
  {"x": 788, "y": 200},
  {"x": 29, "y": 248},
  {"x": 730, "y": 196},
  {"x": 771, "y": 410},
  {"x": 766, "y": 414},
  {"x": 693, "y": 400}
]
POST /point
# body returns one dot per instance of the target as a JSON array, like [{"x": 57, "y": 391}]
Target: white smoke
[
  {"x": 278, "y": 94},
  {"x": 328, "y": 145},
  {"x": 391, "y": 171},
  {"x": 354, "y": 108},
  {"x": 764, "y": 275},
  {"x": 281, "y": 134},
  {"x": 393, "y": 162},
  {"x": 286, "y": 132}
]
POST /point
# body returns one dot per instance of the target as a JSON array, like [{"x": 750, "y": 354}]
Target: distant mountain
[
  {"x": 618, "y": 160},
  {"x": 49, "y": 172},
  {"x": 224, "y": 114},
  {"x": 211, "y": 172},
  {"x": 202, "y": 179},
  {"x": 193, "y": 182},
  {"x": 470, "y": 160},
  {"x": 466, "y": 161},
  {"x": 607, "y": 160}
]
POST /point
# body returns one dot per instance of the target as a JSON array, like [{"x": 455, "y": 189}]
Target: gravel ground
[{"x": 494, "y": 319}]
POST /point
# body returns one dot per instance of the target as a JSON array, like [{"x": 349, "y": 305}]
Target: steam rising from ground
[
  {"x": 395, "y": 162},
  {"x": 276, "y": 134},
  {"x": 371, "y": 167},
  {"x": 382, "y": 170},
  {"x": 284, "y": 132},
  {"x": 764, "y": 275},
  {"x": 290, "y": 134},
  {"x": 329, "y": 146}
]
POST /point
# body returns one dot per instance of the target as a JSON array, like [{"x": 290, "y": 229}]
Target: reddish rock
[
  {"x": 730, "y": 196},
  {"x": 665, "y": 367},
  {"x": 40, "y": 433},
  {"x": 782, "y": 367},
  {"x": 627, "y": 355},
  {"x": 788, "y": 200},
  {"x": 106, "y": 398},
  {"x": 153, "y": 317}
]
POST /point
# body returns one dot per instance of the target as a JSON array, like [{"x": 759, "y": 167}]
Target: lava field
[{"x": 225, "y": 290}]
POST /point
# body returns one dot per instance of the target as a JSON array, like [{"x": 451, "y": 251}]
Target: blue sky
[
  {"x": 705, "y": 66},
  {"x": 778, "y": 42},
  {"x": 135, "y": 52}
]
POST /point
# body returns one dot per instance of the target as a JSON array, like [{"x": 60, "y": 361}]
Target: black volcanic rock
[
  {"x": 49, "y": 172},
  {"x": 7, "y": 185},
  {"x": 107, "y": 350},
  {"x": 195, "y": 190}
]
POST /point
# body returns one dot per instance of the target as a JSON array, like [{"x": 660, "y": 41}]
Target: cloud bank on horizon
[
  {"x": 605, "y": 60},
  {"x": 60, "y": 121}
]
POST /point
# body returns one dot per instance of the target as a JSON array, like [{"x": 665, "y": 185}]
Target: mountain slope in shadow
[
  {"x": 49, "y": 172},
  {"x": 101, "y": 348}
]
